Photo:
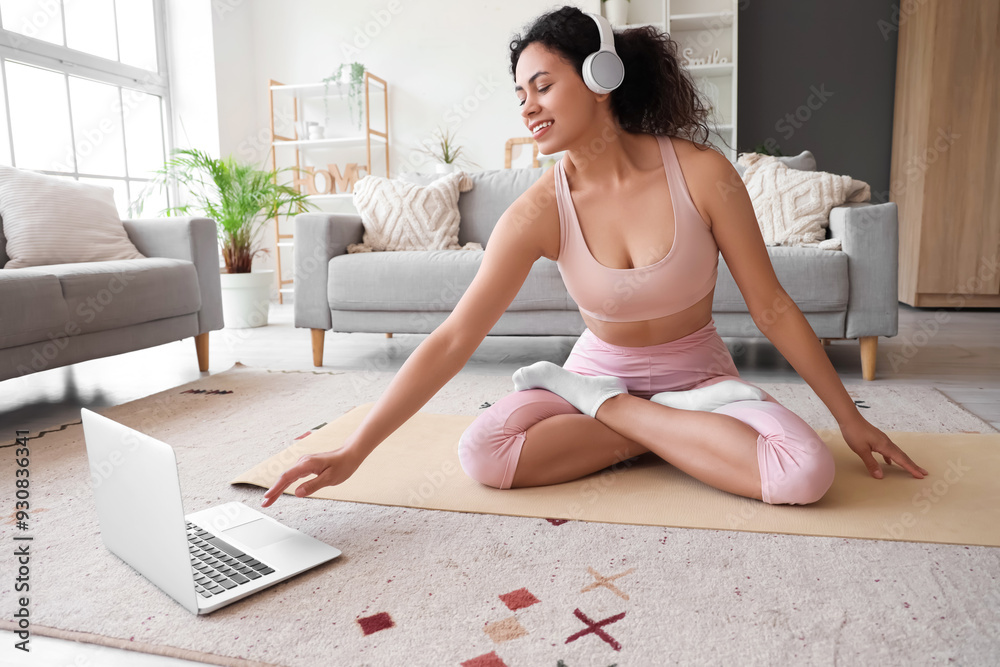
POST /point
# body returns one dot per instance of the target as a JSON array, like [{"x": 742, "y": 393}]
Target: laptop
[{"x": 204, "y": 560}]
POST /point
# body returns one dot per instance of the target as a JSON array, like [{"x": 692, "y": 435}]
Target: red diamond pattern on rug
[
  {"x": 490, "y": 659},
  {"x": 519, "y": 599},
  {"x": 379, "y": 621}
]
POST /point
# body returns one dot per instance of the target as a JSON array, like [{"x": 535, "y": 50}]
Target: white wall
[
  {"x": 446, "y": 63},
  {"x": 190, "y": 64},
  {"x": 237, "y": 83}
]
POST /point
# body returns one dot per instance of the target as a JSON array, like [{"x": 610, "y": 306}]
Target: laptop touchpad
[{"x": 259, "y": 533}]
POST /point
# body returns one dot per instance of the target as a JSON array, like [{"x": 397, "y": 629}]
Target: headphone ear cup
[
  {"x": 588, "y": 75},
  {"x": 607, "y": 70},
  {"x": 585, "y": 72}
]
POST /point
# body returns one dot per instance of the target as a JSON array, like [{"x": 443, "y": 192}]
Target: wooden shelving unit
[{"x": 300, "y": 95}]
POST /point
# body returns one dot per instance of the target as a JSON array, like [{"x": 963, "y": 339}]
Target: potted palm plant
[{"x": 241, "y": 199}]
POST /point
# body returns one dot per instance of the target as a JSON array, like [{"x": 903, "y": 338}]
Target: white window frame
[{"x": 32, "y": 51}]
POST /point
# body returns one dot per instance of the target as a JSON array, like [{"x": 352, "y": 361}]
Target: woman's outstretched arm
[
  {"x": 435, "y": 361},
  {"x": 737, "y": 232},
  {"x": 514, "y": 246}
]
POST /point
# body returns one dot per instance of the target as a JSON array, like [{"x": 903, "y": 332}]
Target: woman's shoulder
[
  {"x": 704, "y": 169},
  {"x": 705, "y": 161},
  {"x": 537, "y": 209},
  {"x": 695, "y": 148}
]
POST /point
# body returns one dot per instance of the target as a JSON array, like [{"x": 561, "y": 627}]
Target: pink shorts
[{"x": 796, "y": 467}]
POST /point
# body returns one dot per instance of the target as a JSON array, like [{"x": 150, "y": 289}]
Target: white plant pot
[
  {"x": 246, "y": 298},
  {"x": 441, "y": 168},
  {"x": 616, "y": 11}
]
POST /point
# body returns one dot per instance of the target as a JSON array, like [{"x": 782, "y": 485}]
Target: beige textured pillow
[
  {"x": 793, "y": 206},
  {"x": 53, "y": 220},
  {"x": 404, "y": 216}
]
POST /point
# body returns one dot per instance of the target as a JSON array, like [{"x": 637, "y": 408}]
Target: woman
[{"x": 635, "y": 215}]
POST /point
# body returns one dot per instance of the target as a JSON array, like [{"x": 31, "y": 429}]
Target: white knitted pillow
[
  {"x": 793, "y": 206},
  {"x": 53, "y": 220},
  {"x": 403, "y": 216}
]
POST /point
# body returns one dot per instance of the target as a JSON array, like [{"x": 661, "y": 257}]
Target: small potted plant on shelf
[
  {"x": 353, "y": 75},
  {"x": 241, "y": 199},
  {"x": 446, "y": 153}
]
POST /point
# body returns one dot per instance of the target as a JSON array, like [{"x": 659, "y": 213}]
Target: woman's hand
[
  {"x": 331, "y": 468},
  {"x": 864, "y": 439}
]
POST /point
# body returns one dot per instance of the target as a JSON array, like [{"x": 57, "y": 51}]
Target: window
[{"x": 84, "y": 93}]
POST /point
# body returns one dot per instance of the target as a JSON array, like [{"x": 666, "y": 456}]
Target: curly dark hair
[{"x": 657, "y": 96}]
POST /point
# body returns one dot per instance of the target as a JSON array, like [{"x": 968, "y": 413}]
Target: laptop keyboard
[{"x": 218, "y": 565}]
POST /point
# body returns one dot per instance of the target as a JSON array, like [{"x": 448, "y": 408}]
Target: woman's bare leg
[
  {"x": 562, "y": 448},
  {"x": 717, "y": 449},
  {"x": 714, "y": 448}
]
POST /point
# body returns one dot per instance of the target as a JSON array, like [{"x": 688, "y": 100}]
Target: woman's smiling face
[{"x": 550, "y": 90}]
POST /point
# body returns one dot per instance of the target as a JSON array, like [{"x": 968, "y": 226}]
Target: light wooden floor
[{"x": 957, "y": 351}]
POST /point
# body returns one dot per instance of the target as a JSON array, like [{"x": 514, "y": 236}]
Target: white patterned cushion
[
  {"x": 53, "y": 220},
  {"x": 403, "y": 216},
  {"x": 793, "y": 206}
]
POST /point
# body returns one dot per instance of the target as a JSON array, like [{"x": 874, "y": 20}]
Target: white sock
[
  {"x": 709, "y": 398},
  {"x": 584, "y": 392}
]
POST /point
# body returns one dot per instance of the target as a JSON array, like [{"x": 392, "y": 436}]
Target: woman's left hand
[{"x": 864, "y": 439}]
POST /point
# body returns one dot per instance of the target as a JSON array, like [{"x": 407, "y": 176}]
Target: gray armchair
[{"x": 62, "y": 314}]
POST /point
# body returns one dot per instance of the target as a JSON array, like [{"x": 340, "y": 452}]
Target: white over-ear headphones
[{"x": 603, "y": 70}]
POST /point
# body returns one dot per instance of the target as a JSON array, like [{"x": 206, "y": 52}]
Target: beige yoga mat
[{"x": 417, "y": 466}]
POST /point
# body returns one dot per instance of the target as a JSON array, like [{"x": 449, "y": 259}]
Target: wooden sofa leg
[
  {"x": 388, "y": 335},
  {"x": 317, "y": 340},
  {"x": 201, "y": 347},
  {"x": 869, "y": 345}
]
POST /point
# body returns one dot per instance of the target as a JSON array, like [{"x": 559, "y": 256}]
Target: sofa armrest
[
  {"x": 869, "y": 235},
  {"x": 191, "y": 238},
  {"x": 319, "y": 237}
]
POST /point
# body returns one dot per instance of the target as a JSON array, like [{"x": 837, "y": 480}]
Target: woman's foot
[
  {"x": 709, "y": 398},
  {"x": 586, "y": 393}
]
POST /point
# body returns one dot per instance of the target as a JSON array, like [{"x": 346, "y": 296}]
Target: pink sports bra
[{"x": 679, "y": 280}]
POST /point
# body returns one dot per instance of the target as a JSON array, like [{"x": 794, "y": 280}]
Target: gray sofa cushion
[
  {"x": 815, "y": 279},
  {"x": 492, "y": 193},
  {"x": 435, "y": 280},
  {"x": 33, "y": 306},
  {"x": 90, "y": 291},
  {"x": 430, "y": 280},
  {"x": 97, "y": 296}
]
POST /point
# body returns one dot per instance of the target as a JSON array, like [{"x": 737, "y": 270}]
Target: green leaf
[{"x": 238, "y": 196}]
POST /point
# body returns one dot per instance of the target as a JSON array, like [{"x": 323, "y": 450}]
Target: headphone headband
[{"x": 604, "y": 31}]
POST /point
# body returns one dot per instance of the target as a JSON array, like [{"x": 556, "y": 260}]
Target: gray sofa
[
  {"x": 844, "y": 294},
  {"x": 61, "y": 314}
]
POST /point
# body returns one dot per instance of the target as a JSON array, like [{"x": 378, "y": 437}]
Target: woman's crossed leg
[{"x": 754, "y": 448}]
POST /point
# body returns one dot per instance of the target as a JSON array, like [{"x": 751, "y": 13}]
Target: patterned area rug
[{"x": 428, "y": 587}]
